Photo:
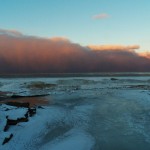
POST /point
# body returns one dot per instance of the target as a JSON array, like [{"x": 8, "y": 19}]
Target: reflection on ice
[{"x": 73, "y": 140}]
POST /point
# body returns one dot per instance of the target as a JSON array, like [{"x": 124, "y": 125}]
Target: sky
[
  {"x": 126, "y": 22},
  {"x": 90, "y": 30}
]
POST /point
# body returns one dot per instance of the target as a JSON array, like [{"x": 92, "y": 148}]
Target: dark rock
[
  {"x": 31, "y": 111},
  {"x": 11, "y": 122},
  {"x": 21, "y": 96},
  {"x": 26, "y": 115},
  {"x": 113, "y": 79},
  {"x": 7, "y": 139},
  {"x": 6, "y": 127},
  {"x": 40, "y": 107},
  {"x": 17, "y": 104},
  {"x": 16, "y": 96},
  {"x": 22, "y": 119}
]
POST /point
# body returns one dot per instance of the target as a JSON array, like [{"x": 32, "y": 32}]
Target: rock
[
  {"x": 6, "y": 127},
  {"x": 10, "y": 122},
  {"x": 32, "y": 111},
  {"x": 22, "y": 120},
  {"x": 21, "y": 96},
  {"x": 26, "y": 115},
  {"x": 113, "y": 79},
  {"x": 17, "y": 104},
  {"x": 40, "y": 107},
  {"x": 7, "y": 139}
]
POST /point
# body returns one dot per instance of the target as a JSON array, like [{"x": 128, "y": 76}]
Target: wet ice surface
[{"x": 85, "y": 113}]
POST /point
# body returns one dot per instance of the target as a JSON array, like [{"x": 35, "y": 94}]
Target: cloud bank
[{"x": 27, "y": 54}]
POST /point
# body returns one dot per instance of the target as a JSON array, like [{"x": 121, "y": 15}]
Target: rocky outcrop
[{"x": 12, "y": 122}]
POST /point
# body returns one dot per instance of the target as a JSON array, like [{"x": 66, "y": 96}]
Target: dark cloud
[
  {"x": 23, "y": 54},
  {"x": 10, "y": 32}
]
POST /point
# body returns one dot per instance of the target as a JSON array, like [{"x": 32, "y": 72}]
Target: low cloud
[
  {"x": 101, "y": 16},
  {"x": 113, "y": 47},
  {"x": 28, "y": 54},
  {"x": 56, "y": 39},
  {"x": 145, "y": 54}
]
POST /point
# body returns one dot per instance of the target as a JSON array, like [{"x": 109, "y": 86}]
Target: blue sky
[{"x": 127, "y": 22}]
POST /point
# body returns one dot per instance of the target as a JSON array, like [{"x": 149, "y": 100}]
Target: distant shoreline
[{"x": 55, "y": 75}]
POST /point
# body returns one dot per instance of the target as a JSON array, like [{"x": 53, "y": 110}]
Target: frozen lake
[{"x": 83, "y": 113}]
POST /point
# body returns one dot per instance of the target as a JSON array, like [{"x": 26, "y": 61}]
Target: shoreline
[{"x": 59, "y": 75}]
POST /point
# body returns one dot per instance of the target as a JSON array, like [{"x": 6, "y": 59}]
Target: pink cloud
[
  {"x": 113, "y": 47},
  {"x": 29, "y": 54},
  {"x": 101, "y": 16}
]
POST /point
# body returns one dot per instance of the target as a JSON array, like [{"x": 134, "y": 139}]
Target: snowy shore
[{"x": 84, "y": 113}]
